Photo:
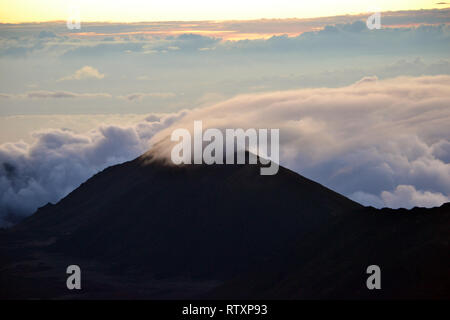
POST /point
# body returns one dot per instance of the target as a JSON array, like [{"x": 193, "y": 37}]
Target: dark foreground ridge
[{"x": 143, "y": 229}]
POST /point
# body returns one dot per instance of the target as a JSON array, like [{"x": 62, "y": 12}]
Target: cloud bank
[
  {"x": 383, "y": 143},
  {"x": 59, "y": 160},
  {"x": 233, "y": 29},
  {"x": 380, "y": 142}
]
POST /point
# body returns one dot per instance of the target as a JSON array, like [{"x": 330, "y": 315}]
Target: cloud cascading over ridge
[
  {"x": 59, "y": 160},
  {"x": 380, "y": 142},
  {"x": 369, "y": 141}
]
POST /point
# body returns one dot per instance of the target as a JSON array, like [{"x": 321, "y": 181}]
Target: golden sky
[{"x": 15, "y": 11}]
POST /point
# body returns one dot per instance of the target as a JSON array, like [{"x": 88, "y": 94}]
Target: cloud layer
[
  {"x": 59, "y": 160},
  {"x": 234, "y": 29},
  {"x": 383, "y": 143},
  {"x": 86, "y": 72},
  {"x": 380, "y": 142},
  {"x": 144, "y": 68}
]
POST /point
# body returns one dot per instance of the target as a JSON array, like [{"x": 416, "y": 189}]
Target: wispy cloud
[
  {"x": 59, "y": 160},
  {"x": 54, "y": 95},
  {"x": 381, "y": 142},
  {"x": 406, "y": 195},
  {"x": 227, "y": 30},
  {"x": 366, "y": 140},
  {"x": 139, "y": 95},
  {"x": 43, "y": 94},
  {"x": 64, "y": 94}
]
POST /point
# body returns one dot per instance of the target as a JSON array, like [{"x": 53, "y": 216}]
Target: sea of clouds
[{"x": 379, "y": 142}]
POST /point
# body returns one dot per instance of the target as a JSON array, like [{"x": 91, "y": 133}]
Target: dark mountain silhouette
[
  {"x": 150, "y": 230},
  {"x": 410, "y": 246}
]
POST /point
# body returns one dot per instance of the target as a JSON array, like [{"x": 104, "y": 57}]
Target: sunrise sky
[{"x": 179, "y": 10}]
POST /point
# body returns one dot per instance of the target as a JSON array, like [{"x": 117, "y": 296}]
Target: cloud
[
  {"x": 46, "y": 34},
  {"x": 86, "y": 72},
  {"x": 139, "y": 96},
  {"x": 408, "y": 196},
  {"x": 251, "y": 29},
  {"x": 403, "y": 32},
  {"x": 43, "y": 94},
  {"x": 384, "y": 143},
  {"x": 59, "y": 160},
  {"x": 363, "y": 140},
  {"x": 367, "y": 80},
  {"x": 63, "y": 95}
]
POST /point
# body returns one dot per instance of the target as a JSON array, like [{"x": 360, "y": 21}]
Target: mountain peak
[{"x": 209, "y": 224}]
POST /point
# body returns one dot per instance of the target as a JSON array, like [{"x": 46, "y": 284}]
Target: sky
[
  {"x": 18, "y": 11},
  {"x": 363, "y": 112}
]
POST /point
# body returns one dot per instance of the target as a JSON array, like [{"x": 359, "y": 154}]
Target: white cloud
[
  {"x": 45, "y": 94},
  {"x": 86, "y": 72},
  {"x": 62, "y": 95},
  {"x": 138, "y": 96},
  {"x": 59, "y": 160},
  {"x": 384, "y": 143},
  {"x": 408, "y": 196},
  {"x": 359, "y": 140}
]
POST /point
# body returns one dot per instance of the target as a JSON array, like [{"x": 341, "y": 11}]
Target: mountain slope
[
  {"x": 155, "y": 216},
  {"x": 410, "y": 246},
  {"x": 149, "y": 230}
]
